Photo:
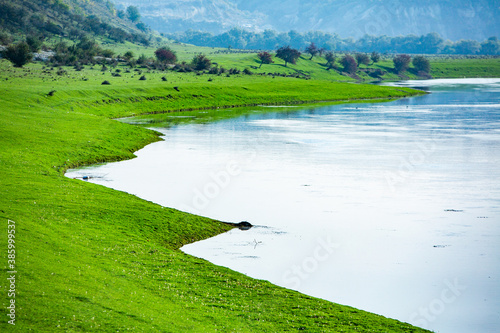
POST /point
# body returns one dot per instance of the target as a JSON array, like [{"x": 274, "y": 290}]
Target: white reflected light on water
[{"x": 392, "y": 208}]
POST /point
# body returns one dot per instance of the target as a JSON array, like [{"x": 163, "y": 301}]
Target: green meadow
[
  {"x": 441, "y": 66},
  {"x": 91, "y": 258}
]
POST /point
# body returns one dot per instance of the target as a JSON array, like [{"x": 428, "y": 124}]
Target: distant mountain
[
  {"x": 205, "y": 15},
  {"x": 452, "y": 19}
]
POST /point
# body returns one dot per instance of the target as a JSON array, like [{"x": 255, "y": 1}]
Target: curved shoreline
[
  {"x": 87, "y": 247},
  {"x": 291, "y": 103}
]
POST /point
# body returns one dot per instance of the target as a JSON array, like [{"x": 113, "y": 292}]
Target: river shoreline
[
  {"x": 439, "y": 246},
  {"x": 92, "y": 247}
]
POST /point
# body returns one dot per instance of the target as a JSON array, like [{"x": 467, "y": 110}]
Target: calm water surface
[{"x": 392, "y": 208}]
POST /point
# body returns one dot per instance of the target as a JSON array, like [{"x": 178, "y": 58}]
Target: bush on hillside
[{"x": 19, "y": 54}]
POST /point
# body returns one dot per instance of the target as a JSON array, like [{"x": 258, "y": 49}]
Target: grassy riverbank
[
  {"x": 442, "y": 66},
  {"x": 91, "y": 258}
]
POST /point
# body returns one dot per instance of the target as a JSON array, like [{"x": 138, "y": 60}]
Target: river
[{"x": 393, "y": 208}]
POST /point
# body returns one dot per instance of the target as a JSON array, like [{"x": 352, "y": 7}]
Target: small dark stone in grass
[
  {"x": 105, "y": 82},
  {"x": 176, "y": 88},
  {"x": 142, "y": 78},
  {"x": 51, "y": 93}
]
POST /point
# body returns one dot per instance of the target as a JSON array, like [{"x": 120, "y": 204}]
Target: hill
[
  {"x": 67, "y": 18},
  {"x": 452, "y": 19}
]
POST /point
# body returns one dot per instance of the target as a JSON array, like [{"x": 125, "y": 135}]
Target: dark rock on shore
[{"x": 243, "y": 225}]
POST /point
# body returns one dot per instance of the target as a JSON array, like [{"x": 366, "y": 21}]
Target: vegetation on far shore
[
  {"x": 314, "y": 63},
  {"x": 431, "y": 43}
]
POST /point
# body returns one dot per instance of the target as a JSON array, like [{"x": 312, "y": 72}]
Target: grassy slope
[
  {"x": 440, "y": 68},
  {"x": 316, "y": 69},
  {"x": 90, "y": 257}
]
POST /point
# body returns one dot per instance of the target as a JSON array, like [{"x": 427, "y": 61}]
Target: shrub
[
  {"x": 5, "y": 38},
  {"x": 183, "y": 68},
  {"x": 362, "y": 59},
  {"x": 330, "y": 59},
  {"x": 421, "y": 64},
  {"x": 34, "y": 43},
  {"x": 201, "y": 62},
  {"x": 107, "y": 53},
  {"x": 128, "y": 55},
  {"x": 401, "y": 63},
  {"x": 375, "y": 57},
  {"x": 247, "y": 71},
  {"x": 350, "y": 65},
  {"x": 142, "y": 59},
  {"x": 166, "y": 55},
  {"x": 19, "y": 54},
  {"x": 142, "y": 78},
  {"x": 377, "y": 73}
]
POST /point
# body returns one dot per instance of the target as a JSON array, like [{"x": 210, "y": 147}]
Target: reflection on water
[{"x": 393, "y": 208}]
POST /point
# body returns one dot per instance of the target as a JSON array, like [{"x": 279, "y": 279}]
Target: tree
[
  {"x": 166, "y": 55},
  {"x": 349, "y": 64},
  {"x": 133, "y": 14},
  {"x": 330, "y": 59},
  {"x": 401, "y": 63},
  {"x": 421, "y": 64},
  {"x": 362, "y": 59},
  {"x": 107, "y": 53},
  {"x": 128, "y": 55},
  {"x": 312, "y": 50},
  {"x": 265, "y": 58},
  {"x": 375, "y": 57},
  {"x": 467, "y": 47},
  {"x": 18, "y": 54},
  {"x": 141, "y": 26},
  {"x": 5, "y": 38},
  {"x": 288, "y": 54},
  {"x": 201, "y": 62},
  {"x": 490, "y": 46},
  {"x": 34, "y": 43},
  {"x": 431, "y": 43},
  {"x": 142, "y": 60}
]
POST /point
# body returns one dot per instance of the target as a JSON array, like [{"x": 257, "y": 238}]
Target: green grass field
[
  {"x": 441, "y": 66},
  {"x": 91, "y": 258}
]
